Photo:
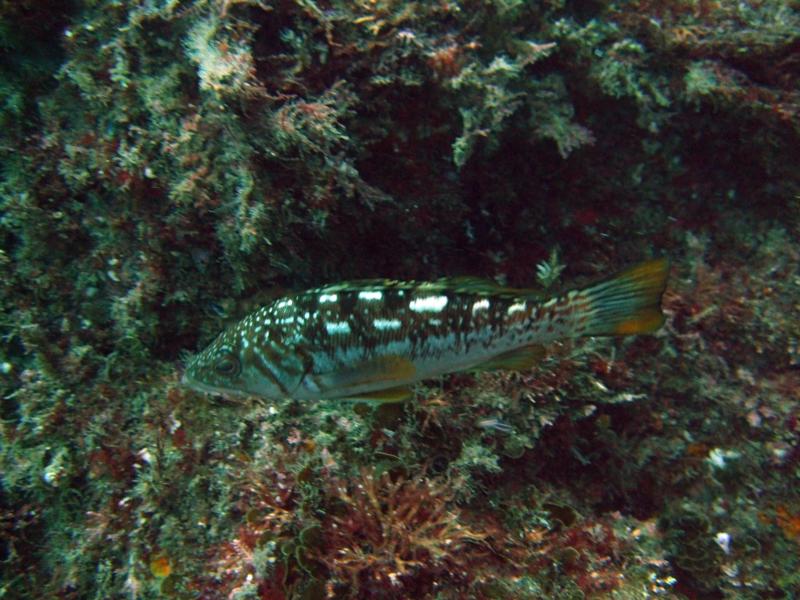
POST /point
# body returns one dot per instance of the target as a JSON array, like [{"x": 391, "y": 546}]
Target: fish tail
[{"x": 628, "y": 303}]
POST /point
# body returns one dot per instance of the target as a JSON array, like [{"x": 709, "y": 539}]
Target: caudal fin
[{"x": 630, "y": 302}]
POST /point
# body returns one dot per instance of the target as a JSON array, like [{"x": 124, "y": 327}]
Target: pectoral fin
[
  {"x": 390, "y": 371},
  {"x": 520, "y": 359}
]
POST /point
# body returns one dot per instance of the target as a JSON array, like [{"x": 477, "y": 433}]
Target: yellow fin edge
[{"x": 630, "y": 302}]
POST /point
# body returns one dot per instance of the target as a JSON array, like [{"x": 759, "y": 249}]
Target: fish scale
[{"x": 372, "y": 339}]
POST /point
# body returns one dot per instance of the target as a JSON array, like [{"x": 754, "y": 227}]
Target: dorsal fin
[
  {"x": 355, "y": 285},
  {"x": 473, "y": 285},
  {"x": 465, "y": 284}
]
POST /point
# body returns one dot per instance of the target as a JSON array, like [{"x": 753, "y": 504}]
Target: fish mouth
[
  {"x": 206, "y": 388},
  {"x": 199, "y": 385}
]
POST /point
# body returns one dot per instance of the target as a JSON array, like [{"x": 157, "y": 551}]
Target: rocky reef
[{"x": 167, "y": 165}]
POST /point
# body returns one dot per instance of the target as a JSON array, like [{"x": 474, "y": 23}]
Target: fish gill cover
[{"x": 169, "y": 167}]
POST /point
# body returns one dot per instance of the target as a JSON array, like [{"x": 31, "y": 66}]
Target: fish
[{"x": 372, "y": 340}]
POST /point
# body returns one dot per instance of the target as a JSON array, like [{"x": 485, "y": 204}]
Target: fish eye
[{"x": 227, "y": 365}]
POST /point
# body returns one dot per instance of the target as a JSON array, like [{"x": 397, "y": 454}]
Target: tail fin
[{"x": 630, "y": 302}]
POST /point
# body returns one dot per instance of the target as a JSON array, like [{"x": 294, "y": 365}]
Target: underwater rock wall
[{"x": 168, "y": 165}]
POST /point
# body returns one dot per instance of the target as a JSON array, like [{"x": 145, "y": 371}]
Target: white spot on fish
[
  {"x": 284, "y": 303},
  {"x": 383, "y": 324},
  {"x": 327, "y": 298},
  {"x": 340, "y": 327},
  {"x": 428, "y": 304},
  {"x": 286, "y": 321},
  {"x": 370, "y": 295},
  {"x": 435, "y": 322},
  {"x": 550, "y": 302},
  {"x": 480, "y": 305},
  {"x": 518, "y": 307},
  {"x": 245, "y": 343}
]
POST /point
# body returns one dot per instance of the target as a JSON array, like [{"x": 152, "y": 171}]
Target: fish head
[
  {"x": 218, "y": 368},
  {"x": 239, "y": 362}
]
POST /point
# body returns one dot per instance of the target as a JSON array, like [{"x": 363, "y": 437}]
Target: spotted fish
[{"x": 373, "y": 339}]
